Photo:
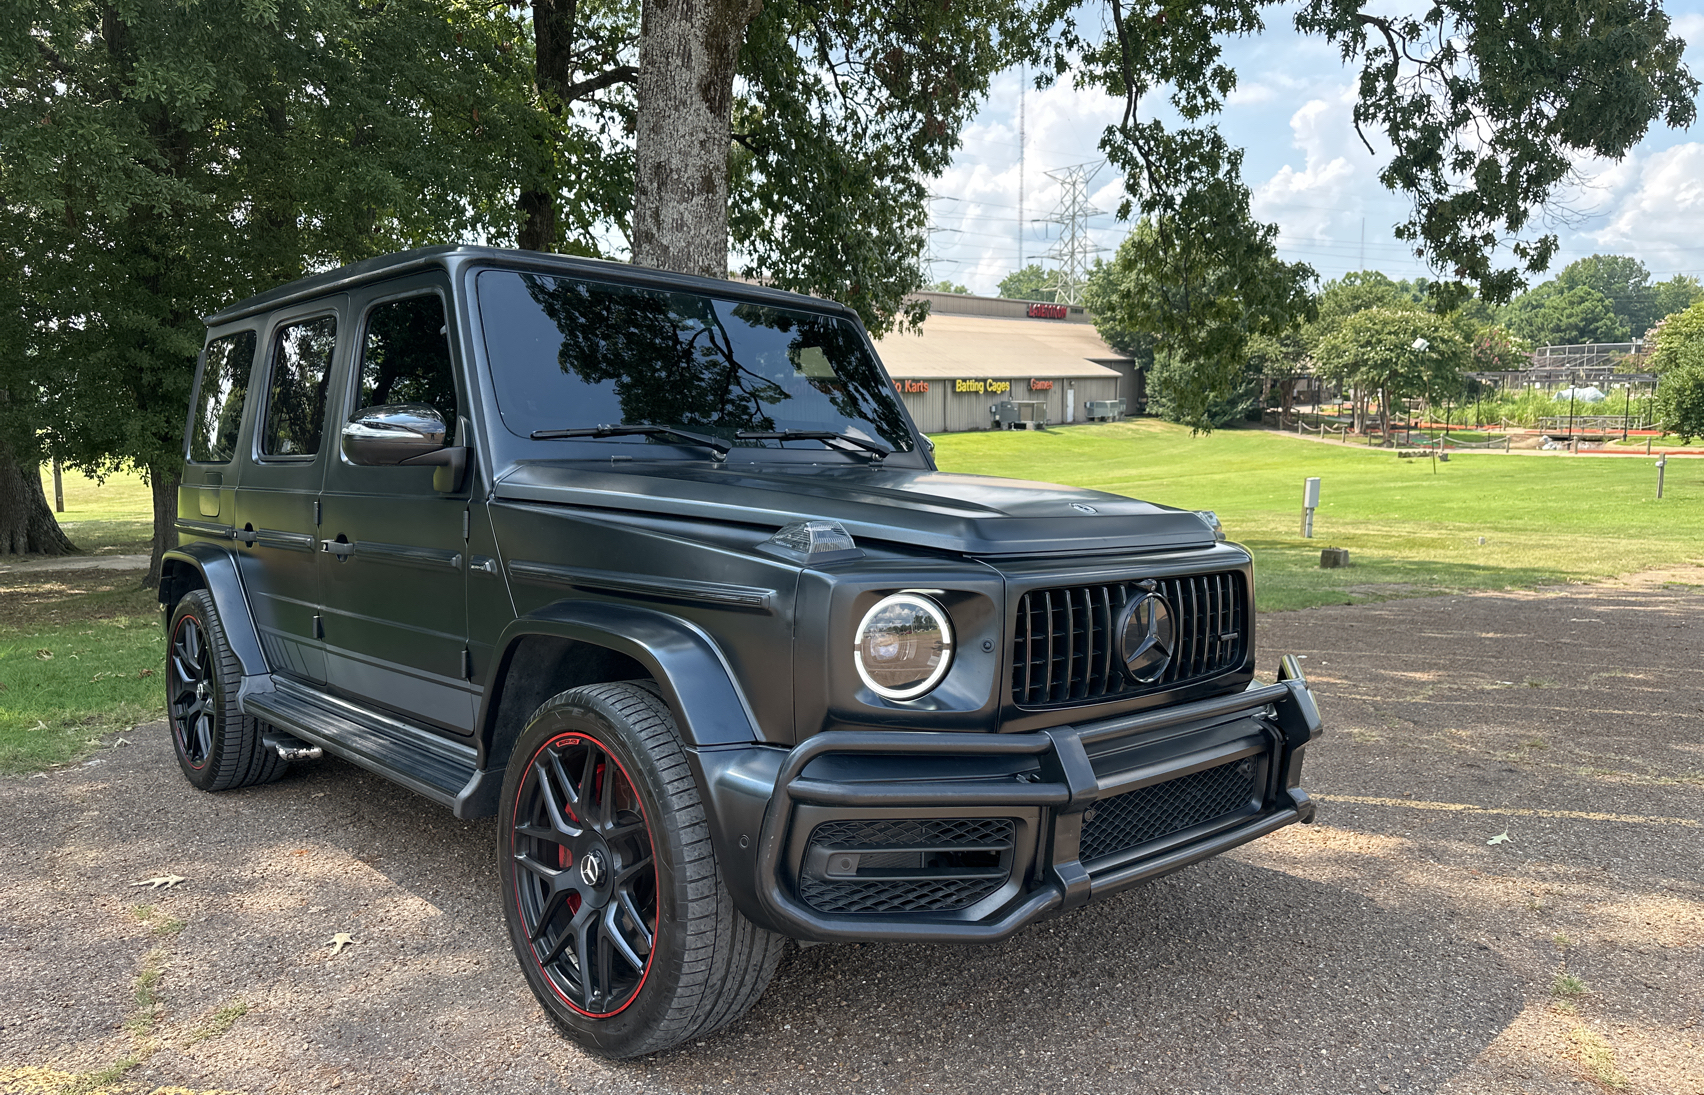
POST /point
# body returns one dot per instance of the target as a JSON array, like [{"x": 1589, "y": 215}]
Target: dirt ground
[{"x": 1399, "y": 945}]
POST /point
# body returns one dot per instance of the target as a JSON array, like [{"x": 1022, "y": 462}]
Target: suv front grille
[
  {"x": 905, "y": 866},
  {"x": 1066, "y": 646},
  {"x": 1148, "y": 813}
]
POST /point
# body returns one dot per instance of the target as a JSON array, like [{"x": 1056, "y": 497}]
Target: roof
[
  {"x": 985, "y": 346},
  {"x": 451, "y": 256}
]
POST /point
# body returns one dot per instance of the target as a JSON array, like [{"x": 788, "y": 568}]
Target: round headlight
[{"x": 905, "y": 646}]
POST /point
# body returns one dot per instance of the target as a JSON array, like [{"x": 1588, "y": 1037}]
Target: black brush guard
[{"x": 1059, "y": 786}]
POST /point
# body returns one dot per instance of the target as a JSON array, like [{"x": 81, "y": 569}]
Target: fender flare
[
  {"x": 223, "y": 582},
  {"x": 681, "y": 658}
]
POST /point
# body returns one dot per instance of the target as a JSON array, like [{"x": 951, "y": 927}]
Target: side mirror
[{"x": 406, "y": 435}]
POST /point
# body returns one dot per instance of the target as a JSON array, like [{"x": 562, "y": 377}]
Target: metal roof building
[{"x": 973, "y": 352}]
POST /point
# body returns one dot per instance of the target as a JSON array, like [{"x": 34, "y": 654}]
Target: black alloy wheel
[
  {"x": 615, "y": 903},
  {"x": 190, "y": 684},
  {"x": 217, "y": 746},
  {"x": 586, "y": 889}
]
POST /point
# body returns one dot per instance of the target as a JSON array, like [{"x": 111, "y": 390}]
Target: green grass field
[
  {"x": 80, "y": 652},
  {"x": 1412, "y": 528},
  {"x": 80, "y": 662},
  {"x": 114, "y": 516}
]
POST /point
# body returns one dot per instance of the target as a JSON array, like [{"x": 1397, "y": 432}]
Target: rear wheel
[
  {"x": 217, "y": 746},
  {"x": 615, "y": 906}
]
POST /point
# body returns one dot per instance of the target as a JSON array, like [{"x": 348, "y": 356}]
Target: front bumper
[{"x": 1041, "y": 788}]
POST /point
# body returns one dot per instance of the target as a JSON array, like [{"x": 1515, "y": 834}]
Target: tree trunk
[
  {"x": 27, "y": 524},
  {"x": 1384, "y": 415},
  {"x": 688, "y": 53},
  {"x": 1286, "y": 401},
  {"x": 553, "y": 72},
  {"x": 164, "y": 481}
]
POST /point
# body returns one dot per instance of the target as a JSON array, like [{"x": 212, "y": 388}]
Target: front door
[
  {"x": 275, "y": 501},
  {"x": 393, "y": 563}
]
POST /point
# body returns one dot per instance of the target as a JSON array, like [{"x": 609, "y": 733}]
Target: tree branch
[{"x": 620, "y": 74}]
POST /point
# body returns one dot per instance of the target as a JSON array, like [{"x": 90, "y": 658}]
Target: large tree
[
  {"x": 1551, "y": 315},
  {"x": 1201, "y": 302},
  {"x": 158, "y": 161}
]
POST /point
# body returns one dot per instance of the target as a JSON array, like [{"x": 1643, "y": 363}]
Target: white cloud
[{"x": 1656, "y": 208}]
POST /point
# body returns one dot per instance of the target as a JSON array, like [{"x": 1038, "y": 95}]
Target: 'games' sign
[{"x": 1047, "y": 311}]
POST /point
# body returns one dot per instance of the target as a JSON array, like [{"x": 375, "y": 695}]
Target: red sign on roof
[{"x": 1047, "y": 311}]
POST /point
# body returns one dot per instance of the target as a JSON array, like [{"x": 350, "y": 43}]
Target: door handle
[
  {"x": 483, "y": 563},
  {"x": 340, "y": 549}
]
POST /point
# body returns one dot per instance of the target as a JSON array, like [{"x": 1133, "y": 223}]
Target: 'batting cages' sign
[{"x": 982, "y": 387}]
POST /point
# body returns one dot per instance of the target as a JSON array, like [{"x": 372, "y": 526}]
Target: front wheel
[{"x": 616, "y": 908}]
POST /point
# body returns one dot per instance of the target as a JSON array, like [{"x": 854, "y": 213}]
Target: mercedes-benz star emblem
[
  {"x": 1080, "y": 508},
  {"x": 1149, "y": 637},
  {"x": 592, "y": 867}
]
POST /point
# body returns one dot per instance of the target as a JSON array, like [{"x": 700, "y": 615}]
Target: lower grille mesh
[
  {"x": 1148, "y": 813},
  {"x": 946, "y": 864}
]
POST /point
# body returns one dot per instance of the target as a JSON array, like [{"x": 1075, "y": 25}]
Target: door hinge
[
  {"x": 316, "y": 511},
  {"x": 319, "y": 628},
  {"x": 467, "y": 664},
  {"x": 467, "y": 524}
]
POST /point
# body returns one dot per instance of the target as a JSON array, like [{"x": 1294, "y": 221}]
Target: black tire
[
  {"x": 217, "y": 746},
  {"x": 670, "y": 957}
]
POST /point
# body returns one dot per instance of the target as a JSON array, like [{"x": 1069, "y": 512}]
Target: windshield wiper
[
  {"x": 717, "y": 445},
  {"x": 876, "y": 449}
]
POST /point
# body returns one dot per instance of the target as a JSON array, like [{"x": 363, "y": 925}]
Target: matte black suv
[{"x": 657, "y": 570}]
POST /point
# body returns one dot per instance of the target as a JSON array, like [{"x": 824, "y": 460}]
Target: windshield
[{"x": 568, "y": 353}]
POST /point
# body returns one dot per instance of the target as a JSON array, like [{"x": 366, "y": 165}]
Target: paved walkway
[{"x": 30, "y": 563}]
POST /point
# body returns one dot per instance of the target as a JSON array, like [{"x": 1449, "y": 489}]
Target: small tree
[
  {"x": 1027, "y": 284},
  {"x": 1679, "y": 402},
  {"x": 1397, "y": 353}
]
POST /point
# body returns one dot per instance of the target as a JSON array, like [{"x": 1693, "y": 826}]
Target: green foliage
[
  {"x": 1675, "y": 295},
  {"x": 159, "y": 161},
  {"x": 1375, "y": 350},
  {"x": 1201, "y": 300},
  {"x": 1553, "y": 316},
  {"x": 1623, "y": 281},
  {"x": 1027, "y": 284},
  {"x": 948, "y": 287},
  {"x": 1679, "y": 341},
  {"x": 1679, "y": 403},
  {"x": 849, "y": 109},
  {"x": 1354, "y": 293},
  {"x": 1485, "y": 109},
  {"x": 1496, "y": 350}
]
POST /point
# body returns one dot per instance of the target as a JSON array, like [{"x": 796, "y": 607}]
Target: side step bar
[{"x": 420, "y": 760}]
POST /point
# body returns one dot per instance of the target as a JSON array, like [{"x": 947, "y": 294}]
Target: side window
[
  {"x": 295, "y": 403},
  {"x": 405, "y": 357},
  {"x": 219, "y": 406}
]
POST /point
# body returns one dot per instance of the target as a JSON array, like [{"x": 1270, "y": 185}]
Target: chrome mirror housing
[{"x": 395, "y": 433}]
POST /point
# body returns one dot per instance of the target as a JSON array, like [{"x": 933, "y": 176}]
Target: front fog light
[{"x": 905, "y": 646}]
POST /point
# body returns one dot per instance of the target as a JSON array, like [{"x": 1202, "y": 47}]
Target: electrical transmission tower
[{"x": 1072, "y": 253}]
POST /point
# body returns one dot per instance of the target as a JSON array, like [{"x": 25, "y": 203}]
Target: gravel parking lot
[{"x": 1389, "y": 948}]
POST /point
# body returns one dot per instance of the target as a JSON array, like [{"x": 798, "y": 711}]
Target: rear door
[
  {"x": 207, "y": 492},
  {"x": 277, "y": 497},
  {"x": 393, "y": 575}
]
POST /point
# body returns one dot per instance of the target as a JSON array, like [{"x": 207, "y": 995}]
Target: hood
[{"x": 967, "y": 514}]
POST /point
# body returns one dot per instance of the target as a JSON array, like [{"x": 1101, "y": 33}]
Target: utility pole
[{"x": 1023, "y": 95}]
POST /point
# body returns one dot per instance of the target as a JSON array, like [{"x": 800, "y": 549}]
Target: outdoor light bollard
[
  {"x": 1662, "y": 462},
  {"x": 1310, "y": 502}
]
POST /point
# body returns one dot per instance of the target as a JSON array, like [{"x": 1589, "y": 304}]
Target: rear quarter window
[{"x": 218, "y": 415}]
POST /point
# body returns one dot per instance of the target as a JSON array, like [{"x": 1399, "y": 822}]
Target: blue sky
[{"x": 1309, "y": 172}]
